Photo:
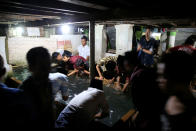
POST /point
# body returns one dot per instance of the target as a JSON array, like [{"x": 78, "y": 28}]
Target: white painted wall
[
  {"x": 75, "y": 40},
  {"x": 19, "y": 46},
  {"x": 124, "y": 33},
  {"x": 2, "y": 49},
  {"x": 100, "y": 42},
  {"x": 3, "y": 54},
  {"x": 182, "y": 34}
]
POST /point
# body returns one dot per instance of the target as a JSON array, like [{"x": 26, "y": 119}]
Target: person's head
[
  {"x": 56, "y": 56},
  {"x": 148, "y": 32},
  {"x": 2, "y": 68},
  {"x": 120, "y": 61},
  {"x": 68, "y": 53},
  {"x": 110, "y": 66},
  {"x": 83, "y": 40},
  {"x": 178, "y": 69},
  {"x": 130, "y": 61},
  {"x": 80, "y": 64},
  {"x": 66, "y": 57},
  {"x": 190, "y": 40},
  {"x": 39, "y": 62},
  {"x": 98, "y": 84}
]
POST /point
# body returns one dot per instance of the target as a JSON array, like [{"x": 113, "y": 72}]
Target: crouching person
[
  {"x": 78, "y": 63},
  {"x": 59, "y": 90},
  {"x": 84, "y": 108},
  {"x": 106, "y": 69}
]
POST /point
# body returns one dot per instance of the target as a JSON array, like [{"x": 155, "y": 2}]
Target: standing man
[
  {"x": 145, "y": 48},
  {"x": 84, "y": 50}
]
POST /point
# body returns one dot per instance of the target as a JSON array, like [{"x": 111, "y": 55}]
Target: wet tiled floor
[{"x": 119, "y": 102}]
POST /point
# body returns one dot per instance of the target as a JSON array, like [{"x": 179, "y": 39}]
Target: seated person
[
  {"x": 106, "y": 68},
  {"x": 78, "y": 63},
  {"x": 84, "y": 108},
  {"x": 11, "y": 100},
  {"x": 58, "y": 65},
  {"x": 122, "y": 80}
]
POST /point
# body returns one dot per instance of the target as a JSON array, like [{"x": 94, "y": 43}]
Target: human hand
[{"x": 101, "y": 78}]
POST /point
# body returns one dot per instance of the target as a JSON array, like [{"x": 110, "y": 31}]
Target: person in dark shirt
[
  {"x": 12, "y": 111},
  {"x": 176, "y": 70},
  {"x": 58, "y": 65},
  {"x": 145, "y": 49},
  {"x": 145, "y": 95},
  {"x": 37, "y": 89},
  {"x": 78, "y": 63},
  {"x": 122, "y": 80}
]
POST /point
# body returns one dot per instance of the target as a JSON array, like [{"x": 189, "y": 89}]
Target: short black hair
[
  {"x": 2, "y": 68},
  {"x": 55, "y": 55},
  {"x": 110, "y": 65},
  {"x": 132, "y": 57},
  {"x": 38, "y": 59},
  {"x": 98, "y": 84},
  {"x": 179, "y": 66},
  {"x": 109, "y": 74},
  {"x": 84, "y": 37},
  {"x": 190, "y": 40},
  {"x": 120, "y": 60},
  {"x": 67, "y": 53},
  {"x": 149, "y": 27},
  {"x": 1, "y": 62},
  {"x": 80, "y": 62}
]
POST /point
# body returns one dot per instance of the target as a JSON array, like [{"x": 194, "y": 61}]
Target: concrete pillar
[
  {"x": 124, "y": 34},
  {"x": 92, "y": 49},
  {"x": 172, "y": 38},
  {"x": 3, "y": 54},
  {"x": 100, "y": 42}
]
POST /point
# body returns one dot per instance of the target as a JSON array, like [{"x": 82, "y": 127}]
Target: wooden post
[
  {"x": 167, "y": 41},
  {"x": 92, "y": 49}
]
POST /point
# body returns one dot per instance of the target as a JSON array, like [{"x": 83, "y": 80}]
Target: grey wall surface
[{"x": 183, "y": 34}]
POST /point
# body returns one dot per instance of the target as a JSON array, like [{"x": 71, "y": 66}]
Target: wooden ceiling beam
[{"x": 53, "y": 4}]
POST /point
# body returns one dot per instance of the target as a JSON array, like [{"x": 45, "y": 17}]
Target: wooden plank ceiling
[{"x": 48, "y": 12}]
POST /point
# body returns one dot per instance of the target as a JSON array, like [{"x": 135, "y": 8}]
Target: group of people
[
  {"x": 163, "y": 94},
  {"x": 68, "y": 64},
  {"x": 34, "y": 103}
]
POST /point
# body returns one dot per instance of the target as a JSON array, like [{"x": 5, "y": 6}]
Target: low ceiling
[{"x": 49, "y": 12}]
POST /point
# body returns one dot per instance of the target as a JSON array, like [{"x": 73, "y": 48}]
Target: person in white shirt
[
  {"x": 84, "y": 50},
  {"x": 84, "y": 108},
  {"x": 59, "y": 87}
]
